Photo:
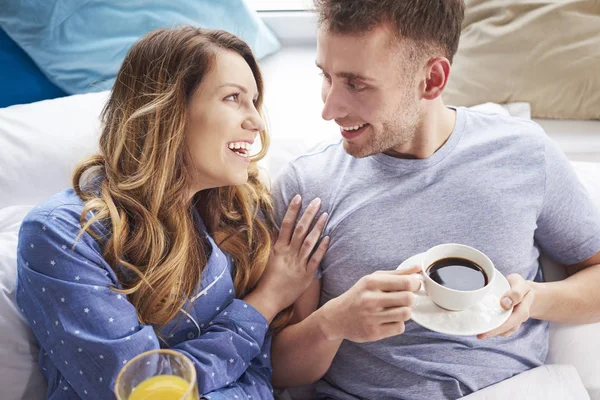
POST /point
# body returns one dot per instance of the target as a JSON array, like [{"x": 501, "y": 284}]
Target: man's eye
[
  {"x": 234, "y": 97},
  {"x": 324, "y": 76},
  {"x": 354, "y": 86}
]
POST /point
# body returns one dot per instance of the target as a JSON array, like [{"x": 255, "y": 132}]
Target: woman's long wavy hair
[{"x": 143, "y": 181}]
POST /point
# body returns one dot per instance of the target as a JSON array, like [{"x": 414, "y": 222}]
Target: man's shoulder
[
  {"x": 317, "y": 161},
  {"x": 312, "y": 174},
  {"x": 514, "y": 136},
  {"x": 505, "y": 124},
  {"x": 326, "y": 151}
]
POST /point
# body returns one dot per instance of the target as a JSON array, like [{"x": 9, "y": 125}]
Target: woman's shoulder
[
  {"x": 66, "y": 201},
  {"x": 51, "y": 235},
  {"x": 61, "y": 212}
]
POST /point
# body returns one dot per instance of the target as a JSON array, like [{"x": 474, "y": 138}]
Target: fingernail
[
  {"x": 296, "y": 200},
  {"x": 317, "y": 201},
  {"x": 506, "y": 302}
]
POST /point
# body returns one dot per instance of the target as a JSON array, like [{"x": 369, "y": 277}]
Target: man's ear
[{"x": 437, "y": 72}]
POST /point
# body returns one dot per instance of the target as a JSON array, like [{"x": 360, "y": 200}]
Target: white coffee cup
[{"x": 448, "y": 298}]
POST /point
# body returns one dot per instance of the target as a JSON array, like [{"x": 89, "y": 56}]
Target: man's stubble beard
[{"x": 395, "y": 132}]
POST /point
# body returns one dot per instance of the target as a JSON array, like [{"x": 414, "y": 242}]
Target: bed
[
  {"x": 579, "y": 139},
  {"x": 41, "y": 142}
]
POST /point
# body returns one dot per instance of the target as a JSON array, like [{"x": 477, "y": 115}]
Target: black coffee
[{"x": 458, "y": 274}]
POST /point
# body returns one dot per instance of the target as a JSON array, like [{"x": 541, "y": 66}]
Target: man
[{"x": 409, "y": 173}]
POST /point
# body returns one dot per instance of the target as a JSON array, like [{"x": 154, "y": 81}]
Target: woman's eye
[{"x": 234, "y": 97}]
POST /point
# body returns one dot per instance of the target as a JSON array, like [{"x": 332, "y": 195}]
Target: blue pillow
[
  {"x": 20, "y": 79},
  {"x": 80, "y": 44}
]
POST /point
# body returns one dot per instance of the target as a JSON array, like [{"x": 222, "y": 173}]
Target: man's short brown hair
[{"x": 432, "y": 24}]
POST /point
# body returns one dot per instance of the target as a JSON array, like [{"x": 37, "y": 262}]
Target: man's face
[{"x": 369, "y": 84}]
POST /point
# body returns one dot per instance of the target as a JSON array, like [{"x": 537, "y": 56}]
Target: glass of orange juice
[{"x": 157, "y": 375}]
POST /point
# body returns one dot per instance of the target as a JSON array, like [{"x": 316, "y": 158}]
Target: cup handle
[{"x": 422, "y": 279}]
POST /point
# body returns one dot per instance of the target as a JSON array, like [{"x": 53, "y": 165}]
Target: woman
[{"x": 167, "y": 237}]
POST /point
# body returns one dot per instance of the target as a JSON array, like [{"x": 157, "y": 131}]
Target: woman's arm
[
  {"x": 89, "y": 331},
  {"x": 255, "y": 383}
]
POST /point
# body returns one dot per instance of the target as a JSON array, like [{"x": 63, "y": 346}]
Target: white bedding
[{"x": 579, "y": 139}]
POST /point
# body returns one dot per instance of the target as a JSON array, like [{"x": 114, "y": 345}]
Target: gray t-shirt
[{"x": 498, "y": 184}]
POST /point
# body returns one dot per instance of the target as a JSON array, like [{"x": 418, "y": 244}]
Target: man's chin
[{"x": 356, "y": 150}]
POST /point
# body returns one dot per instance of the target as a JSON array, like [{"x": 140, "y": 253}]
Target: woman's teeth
[
  {"x": 353, "y": 128},
  {"x": 241, "y": 148}
]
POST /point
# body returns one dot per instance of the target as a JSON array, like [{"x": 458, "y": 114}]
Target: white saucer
[{"x": 481, "y": 318}]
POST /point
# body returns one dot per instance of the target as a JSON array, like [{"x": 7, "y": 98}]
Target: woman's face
[{"x": 223, "y": 123}]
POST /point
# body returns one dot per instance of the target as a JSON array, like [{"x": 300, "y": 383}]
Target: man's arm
[
  {"x": 575, "y": 299},
  {"x": 301, "y": 353},
  {"x": 376, "y": 307},
  {"x": 568, "y": 230}
]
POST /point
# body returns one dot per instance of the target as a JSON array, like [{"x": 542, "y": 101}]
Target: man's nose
[{"x": 333, "y": 107}]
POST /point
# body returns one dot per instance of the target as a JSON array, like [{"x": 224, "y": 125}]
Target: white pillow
[
  {"x": 547, "y": 382},
  {"x": 20, "y": 376},
  {"x": 40, "y": 144}
]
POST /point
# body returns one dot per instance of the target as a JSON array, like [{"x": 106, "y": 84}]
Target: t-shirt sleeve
[
  {"x": 283, "y": 191},
  {"x": 568, "y": 225}
]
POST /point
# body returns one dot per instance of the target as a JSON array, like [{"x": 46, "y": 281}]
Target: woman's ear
[{"x": 437, "y": 72}]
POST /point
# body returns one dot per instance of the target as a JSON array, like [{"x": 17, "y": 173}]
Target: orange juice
[{"x": 161, "y": 387}]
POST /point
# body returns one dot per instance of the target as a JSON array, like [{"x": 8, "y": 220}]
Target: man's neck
[{"x": 432, "y": 132}]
